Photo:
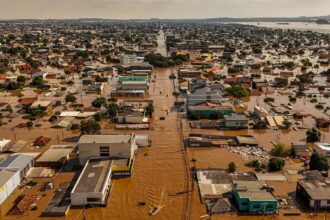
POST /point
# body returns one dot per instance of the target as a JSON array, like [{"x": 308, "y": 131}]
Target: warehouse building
[
  {"x": 92, "y": 186},
  {"x": 12, "y": 170}
]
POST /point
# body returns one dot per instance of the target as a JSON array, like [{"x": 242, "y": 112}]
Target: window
[
  {"x": 104, "y": 152},
  {"x": 244, "y": 203},
  {"x": 256, "y": 206},
  {"x": 269, "y": 206},
  {"x": 93, "y": 199}
]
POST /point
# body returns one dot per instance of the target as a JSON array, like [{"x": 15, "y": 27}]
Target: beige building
[{"x": 122, "y": 146}]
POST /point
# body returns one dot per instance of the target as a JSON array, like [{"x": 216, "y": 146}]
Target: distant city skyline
[{"x": 144, "y": 9}]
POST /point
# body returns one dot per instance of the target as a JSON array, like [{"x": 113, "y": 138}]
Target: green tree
[
  {"x": 149, "y": 109},
  {"x": 99, "y": 102},
  {"x": 280, "y": 150},
  {"x": 313, "y": 135},
  {"x": 12, "y": 86},
  {"x": 37, "y": 81},
  {"x": 89, "y": 127},
  {"x": 112, "y": 109},
  {"x": 276, "y": 164},
  {"x": 238, "y": 92},
  {"x": 318, "y": 162},
  {"x": 21, "y": 79},
  {"x": 231, "y": 167},
  {"x": 70, "y": 98},
  {"x": 97, "y": 117}
]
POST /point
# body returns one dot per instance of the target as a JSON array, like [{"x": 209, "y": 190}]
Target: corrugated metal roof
[{"x": 16, "y": 161}]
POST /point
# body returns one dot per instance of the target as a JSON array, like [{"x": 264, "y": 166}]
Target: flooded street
[{"x": 161, "y": 43}]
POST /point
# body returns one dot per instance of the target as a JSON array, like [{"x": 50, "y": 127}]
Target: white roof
[
  {"x": 323, "y": 146},
  {"x": 68, "y": 113},
  {"x": 41, "y": 103},
  {"x": 4, "y": 142}
]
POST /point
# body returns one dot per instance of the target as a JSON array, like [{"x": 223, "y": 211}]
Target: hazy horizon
[{"x": 162, "y": 9}]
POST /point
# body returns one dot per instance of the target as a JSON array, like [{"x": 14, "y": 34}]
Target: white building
[
  {"x": 322, "y": 148},
  {"x": 114, "y": 146},
  {"x": 12, "y": 170},
  {"x": 92, "y": 186},
  {"x": 129, "y": 59}
]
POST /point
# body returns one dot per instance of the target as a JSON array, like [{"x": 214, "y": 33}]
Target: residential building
[
  {"x": 301, "y": 151},
  {"x": 45, "y": 106},
  {"x": 236, "y": 121},
  {"x": 314, "y": 190},
  {"x": 254, "y": 197}
]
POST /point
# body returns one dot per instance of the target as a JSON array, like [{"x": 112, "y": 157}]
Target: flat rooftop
[
  {"x": 60, "y": 202},
  {"x": 253, "y": 190},
  {"x": 217, "y": 182},
  {"x": 109, "y": 139},
  {"x": 94, "y": 176},
  {"x": 56, "y": 153}
]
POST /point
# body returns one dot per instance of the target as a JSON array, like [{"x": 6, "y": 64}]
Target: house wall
[
  {"x": 254, "y": 207},
  {"x": 209, "y": 113},
  {"x": 132, "y": 119},
  {"x": 118, "y": 150}
]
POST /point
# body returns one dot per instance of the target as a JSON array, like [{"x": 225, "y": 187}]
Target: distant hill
[{"x": 316, "y": 19}]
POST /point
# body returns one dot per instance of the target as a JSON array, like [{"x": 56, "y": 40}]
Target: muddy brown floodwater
[{"x": 161, "y": 174}]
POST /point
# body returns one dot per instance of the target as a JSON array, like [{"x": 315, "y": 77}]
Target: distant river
[{"x": 300, "y": 26}]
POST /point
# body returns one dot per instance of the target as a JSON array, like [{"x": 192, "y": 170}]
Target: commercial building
[
  {"x": 253, "y": 197},
  {"x": 92, "y": 186},
  {"x": 122, "y": 146},
  {"x": 133, "y": 83}
]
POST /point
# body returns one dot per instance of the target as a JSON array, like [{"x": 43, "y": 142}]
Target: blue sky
[{"x": 126, "y": 9}]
